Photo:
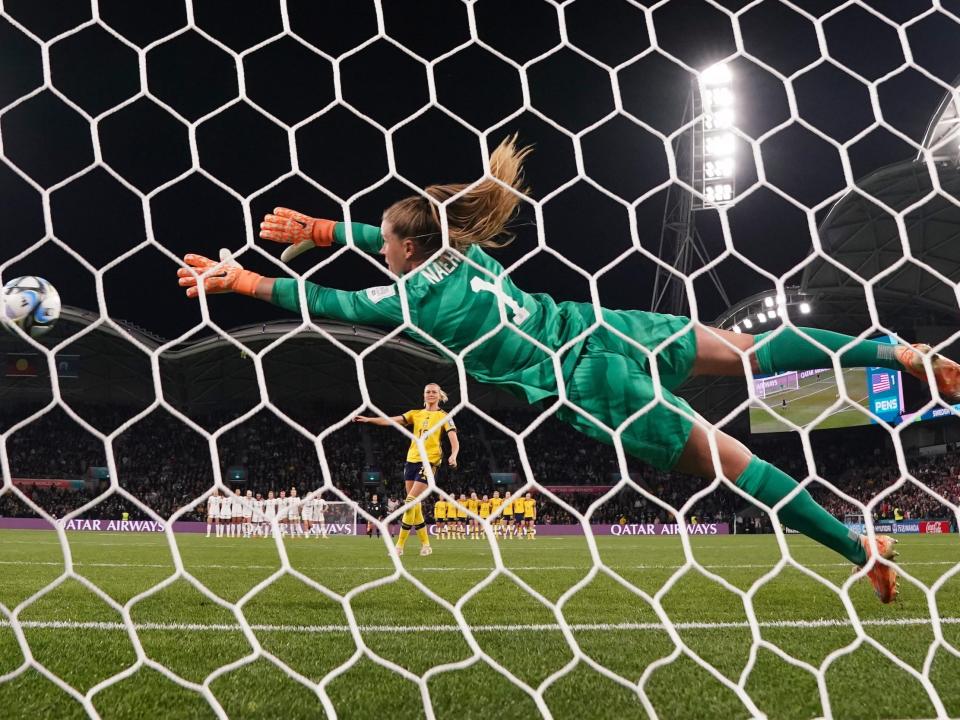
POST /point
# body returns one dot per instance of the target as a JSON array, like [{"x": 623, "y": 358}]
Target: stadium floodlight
[
  {"x": 719, "y": 146},
  {"x": 762, "y": 317},
  {"x": 771, "y": 314},
  {"x": 713, "y": 169},
  {"x": 713, "y": 142},
  {"x": 736, "y": 329},
  {"x": 720, "y": 120},
  {"x": 747, "y": 323},
  {"x": 805, "y": 308},
  {"x": 718, "y": 74},
  {"x": 719, "y": 194},
  {"x": 768, "y": 301}
]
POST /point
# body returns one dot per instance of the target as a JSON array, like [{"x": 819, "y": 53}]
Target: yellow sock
[
  {"x": 410, "y": 514},
  {"x": 422, "y": 533},
  {"x": 402, "y": 537}
]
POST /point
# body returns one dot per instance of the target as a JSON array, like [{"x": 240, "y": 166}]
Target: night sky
[{"x": 148, "y": 146}]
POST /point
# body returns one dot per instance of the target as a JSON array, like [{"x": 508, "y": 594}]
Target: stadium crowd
[{"x": 166, "y": 465}]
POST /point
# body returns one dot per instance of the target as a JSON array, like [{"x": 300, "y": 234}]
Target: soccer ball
[{"x": 32, "y": 303}]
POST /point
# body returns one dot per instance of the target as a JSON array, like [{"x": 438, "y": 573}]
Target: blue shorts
[{"x": 414, "y": 472}]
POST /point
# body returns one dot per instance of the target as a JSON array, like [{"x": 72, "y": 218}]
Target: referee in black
[{"x": 376, "y": 510}]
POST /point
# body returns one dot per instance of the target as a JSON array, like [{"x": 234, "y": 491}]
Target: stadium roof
[
  {"x": 209, "y": 373},
  {"x": 863, "y": 239},
  {"x": 861, "y": 234}
]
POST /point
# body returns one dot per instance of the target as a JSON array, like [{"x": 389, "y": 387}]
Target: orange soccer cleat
[
  {"x": 945, "y": 371},
  {"x": 882, "y": 577}
]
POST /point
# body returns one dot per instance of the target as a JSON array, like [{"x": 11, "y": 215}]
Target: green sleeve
[
  {"x": 373, "y": 306},
  {"x": 366, "y": 237}
]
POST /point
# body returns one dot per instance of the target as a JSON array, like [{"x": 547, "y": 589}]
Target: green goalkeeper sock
[
  {"x": 791, "y": 350},
  {"x": 769, "y": 485}
]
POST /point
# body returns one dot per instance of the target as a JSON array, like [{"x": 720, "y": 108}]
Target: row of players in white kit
[{"x": 250, "y": 515}]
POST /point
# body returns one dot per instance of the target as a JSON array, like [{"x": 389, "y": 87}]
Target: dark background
[{"x": 478, "y": 94}]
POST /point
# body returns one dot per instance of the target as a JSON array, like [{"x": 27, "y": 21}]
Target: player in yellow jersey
[
  {"x": 484, "y": 514},
  {"x": 495, "y": 502},
  {"x": 440, "y": 517},
  {"x": 426, "y": 425},
  {"x": 473, "y": 527},
  {"x": 509, "y": 528},
  {"x": 462, "y": 515},
  {"x": 530, "y": 516}
]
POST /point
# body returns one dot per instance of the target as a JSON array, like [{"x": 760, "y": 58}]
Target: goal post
[
  {"x": 774, "y": 384},
  {"x": 340, "y": 518}
]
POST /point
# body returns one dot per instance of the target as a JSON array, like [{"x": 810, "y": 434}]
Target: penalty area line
[{"x": 400, "y": 629}]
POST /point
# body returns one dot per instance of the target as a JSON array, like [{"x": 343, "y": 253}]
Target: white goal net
[
  {"x": 765, "y": 387},
  {"x": 338, "y": 518},
  {"x": 248, "y": 64}
]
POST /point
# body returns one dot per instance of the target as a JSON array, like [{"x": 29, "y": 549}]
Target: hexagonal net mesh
[{"x": 196, "y": 114}]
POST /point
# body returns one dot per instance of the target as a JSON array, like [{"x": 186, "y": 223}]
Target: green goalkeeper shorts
[{"x": 611, "y": 381}]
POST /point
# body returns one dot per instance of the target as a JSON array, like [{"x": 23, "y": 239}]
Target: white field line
[
  {"x": 484, "y": 568},
  {"x": 848, "y": 408},
  {"x": 399, "y": 629}
]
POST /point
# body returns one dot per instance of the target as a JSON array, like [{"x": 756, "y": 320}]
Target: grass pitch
[{"x": 311, "y": 662}]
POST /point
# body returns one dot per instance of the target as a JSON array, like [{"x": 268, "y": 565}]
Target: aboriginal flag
[{"x": 22, "y": 364}]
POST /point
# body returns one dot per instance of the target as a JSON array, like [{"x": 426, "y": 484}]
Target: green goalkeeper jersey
[{"x": 455, "y": 303}]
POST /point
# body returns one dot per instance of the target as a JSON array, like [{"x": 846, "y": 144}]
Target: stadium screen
[{"x": 802, "y": 396}]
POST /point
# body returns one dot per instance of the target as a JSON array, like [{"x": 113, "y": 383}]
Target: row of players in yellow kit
[{"x": 453, "y": 519}]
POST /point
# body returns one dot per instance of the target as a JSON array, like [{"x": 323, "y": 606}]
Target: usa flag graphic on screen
[{"x": 881, "y": 383}]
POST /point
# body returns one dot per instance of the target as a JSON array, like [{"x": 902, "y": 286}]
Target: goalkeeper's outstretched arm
[
  {"x": 303, "y": 233},
  {"x": 375, "y": 306}
]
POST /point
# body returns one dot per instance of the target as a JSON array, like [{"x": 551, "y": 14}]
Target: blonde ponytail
[{"x": 477, "y": 217}]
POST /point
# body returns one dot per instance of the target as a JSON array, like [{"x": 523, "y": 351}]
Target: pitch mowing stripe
[
  {"x": 386, "y": 568},
  {"x": 400, "y": 629}
]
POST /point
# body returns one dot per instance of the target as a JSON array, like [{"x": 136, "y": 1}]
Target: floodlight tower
[{"x": 705, "y": 162}]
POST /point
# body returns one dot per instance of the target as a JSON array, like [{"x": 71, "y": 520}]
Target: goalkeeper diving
[{"x": 457, "y": 301}]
